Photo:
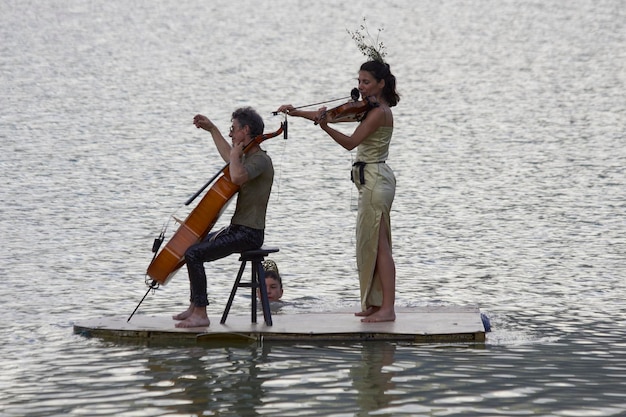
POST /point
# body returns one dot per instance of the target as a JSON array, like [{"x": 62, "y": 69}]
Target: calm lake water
[{"x": 510, "y": 155}]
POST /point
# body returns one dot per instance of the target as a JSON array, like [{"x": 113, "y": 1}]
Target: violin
[{"x": 352, "y": 111}]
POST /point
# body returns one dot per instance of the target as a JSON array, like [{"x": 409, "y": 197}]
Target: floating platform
[{"x": 433, "y": 324}]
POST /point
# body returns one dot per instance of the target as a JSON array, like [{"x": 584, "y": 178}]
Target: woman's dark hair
[
  {"x": 247, "y": 116},
  {"x": 381, "y": 71}
]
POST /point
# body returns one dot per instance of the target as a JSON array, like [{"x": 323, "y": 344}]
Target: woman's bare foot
[
  {"x": 368, "y": 312},
  {"x": 184, "y": 314},
  {"x": 380, "y": 315}
]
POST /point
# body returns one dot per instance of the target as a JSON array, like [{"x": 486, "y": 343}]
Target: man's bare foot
[
  {"x": 184, "y": 314},
  {"x": 380, "y": 316},
  {"x": 194, "y": 321},
  {"x": 368, "y": 312}
]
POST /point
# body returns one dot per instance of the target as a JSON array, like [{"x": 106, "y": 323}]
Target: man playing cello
[{"x": 253, "y": 172}]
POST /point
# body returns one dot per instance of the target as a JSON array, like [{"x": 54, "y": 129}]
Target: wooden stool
[{"x": 255, "y": 257}]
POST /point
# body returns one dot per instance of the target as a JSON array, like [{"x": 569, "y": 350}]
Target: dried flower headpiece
[{"x": 370, "y": 47}]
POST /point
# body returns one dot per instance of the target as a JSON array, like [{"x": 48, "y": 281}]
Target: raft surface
[{"x": 450, "y": 324}]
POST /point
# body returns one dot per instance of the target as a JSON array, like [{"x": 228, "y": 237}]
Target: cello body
[
  {"x": 195, "y": 228},
  {"x": 198, "y": 223}
]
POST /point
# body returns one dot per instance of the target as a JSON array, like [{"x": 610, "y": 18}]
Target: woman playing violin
[
  {"x": 254, "y": 173},
  {"x": 376, "y": 184}
]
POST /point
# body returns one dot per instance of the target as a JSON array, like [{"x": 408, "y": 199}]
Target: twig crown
[{"x": 372, "y": 48}]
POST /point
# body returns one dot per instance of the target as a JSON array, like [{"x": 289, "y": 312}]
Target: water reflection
[
  {"x": 372, "y": 380},
  {"x": 261, "y": 380},
  {"x": 198, "y": 381}
]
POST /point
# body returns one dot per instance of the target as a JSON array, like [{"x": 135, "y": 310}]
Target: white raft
[{"x": 432, "y": 324}]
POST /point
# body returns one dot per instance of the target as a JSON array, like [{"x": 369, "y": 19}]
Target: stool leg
[
  {"x": 265, "y": 302},
  {"x": 253, "y": 286},
  {"x": 232, "y": 293}
]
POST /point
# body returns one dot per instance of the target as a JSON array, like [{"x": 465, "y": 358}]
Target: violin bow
[{"x": 354, "y": 95}]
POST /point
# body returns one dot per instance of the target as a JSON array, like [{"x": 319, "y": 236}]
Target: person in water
[
  {"x": 273, "y": 281},
  {"x": 376, "y": 185},
  {"x": 253, "y": 172}
]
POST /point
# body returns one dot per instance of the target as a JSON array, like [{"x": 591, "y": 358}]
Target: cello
[{"x": 199, "y": 222}]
